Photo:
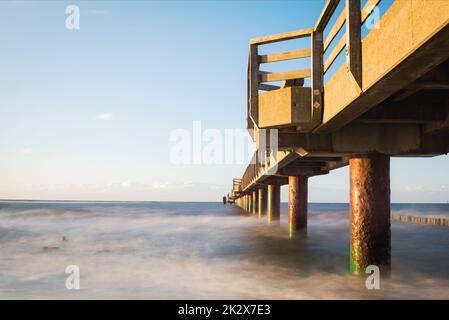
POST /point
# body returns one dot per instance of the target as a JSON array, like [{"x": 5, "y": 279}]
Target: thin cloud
[
  {"x": 98, "y": 12},
  {"x": 104, "y": 117},
  {"x": 27, "y": 151}
]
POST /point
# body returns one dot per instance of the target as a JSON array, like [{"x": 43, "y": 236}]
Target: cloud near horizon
[{"x": 103, "y": 117}]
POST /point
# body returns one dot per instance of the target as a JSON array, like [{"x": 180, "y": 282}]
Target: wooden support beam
[
  {"x": 282, "y": 36},
  {"x": 302, "y": 171},
  {"x": 354, "y": 41},
  {"x": 318, "y": 159},
  {"x": 286, "y": 75},
  {"x": 301, "y": 163},
  {"x": 420, "y": 86},
  {"x": 420, "y": 110},
  {"x": 282, "y": 56},
  {"x": 439, "y": 126}
]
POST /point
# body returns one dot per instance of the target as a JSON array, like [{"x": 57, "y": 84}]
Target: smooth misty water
[{"x": 205, "y": 250}]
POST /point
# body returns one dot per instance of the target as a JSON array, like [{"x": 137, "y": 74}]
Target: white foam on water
[{"x": 201, "y": 251}]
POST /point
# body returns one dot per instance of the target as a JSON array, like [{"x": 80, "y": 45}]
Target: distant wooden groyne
[{"x": 421, "y": 220}]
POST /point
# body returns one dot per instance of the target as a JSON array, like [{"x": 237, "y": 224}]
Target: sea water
[{"x": 174, "y": 250}]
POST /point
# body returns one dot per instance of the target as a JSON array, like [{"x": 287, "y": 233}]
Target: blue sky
[{"x": 87, "y": 114}]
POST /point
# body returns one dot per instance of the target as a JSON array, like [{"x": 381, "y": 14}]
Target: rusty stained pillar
[
  {"x": 262, "y": 203},
  {"x": 255, "y": 202},
  {"x": 274, "y": 202},
  {"x": 369, "y": 213},
  {"x": 297, "y": 203}
]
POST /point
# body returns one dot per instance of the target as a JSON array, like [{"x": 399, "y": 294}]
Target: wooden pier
[{"x": 390, "y": 98}]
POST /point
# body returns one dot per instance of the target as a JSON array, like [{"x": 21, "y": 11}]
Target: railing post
[
  {"x": 354, "y": 41},
  {"x": 317, "y": 76},
  {"x": 254, "y": 83}
]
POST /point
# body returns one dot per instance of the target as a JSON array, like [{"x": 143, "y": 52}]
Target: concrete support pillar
[
  {"x": 297, "y": 203},
  {"x": 274, "y": 202},
  {"x": 250, "y": 202},
  {"x": 255, "y": 202},
  {"x": 369, "y": 213},
  {"x": 262, "y": 203}
]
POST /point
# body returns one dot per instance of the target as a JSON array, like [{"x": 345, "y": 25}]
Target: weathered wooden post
[
  {"x": 274, "y": 202},
  {"x": 255, "y": 202},
  {"x": 369, "y": 212},
  {"x": 297, "y": 203},
  {"x": 250, "y": 202},
  {"x": 262, "y": 205}
]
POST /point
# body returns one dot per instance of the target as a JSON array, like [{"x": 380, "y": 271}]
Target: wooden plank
[
  {"x": 286, "y": 75},
  {"x": 254, "y": 84},
  {"x": 317, "y": 77},
  {"x": 282, "y": 36},
  {"x": 282, "y": 56},
  {"x": 368, "y": 8},
  {"x": 335, "y": 29},
  {"x": 268, "y": 87},
  {"x": 334, "y": 54},
  {"x": 326, "y": 14},
  {"x": 354, "y": 41}
]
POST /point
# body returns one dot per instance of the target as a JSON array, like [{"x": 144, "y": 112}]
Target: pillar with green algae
[{"x": 369, "y": 213}]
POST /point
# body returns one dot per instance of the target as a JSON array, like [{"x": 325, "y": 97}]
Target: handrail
[
  {"x": 351, "y": 40},
  {"x": 282, "y": 36},
  {"x": 326, "y": 14},
  {"x": 335, "y": 29},
  {"x": 334, "y": 54},
  {"x": 338, "y": 25}
]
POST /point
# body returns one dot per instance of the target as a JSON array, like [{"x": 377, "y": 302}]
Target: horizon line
[{"x": 198, "y": 201}]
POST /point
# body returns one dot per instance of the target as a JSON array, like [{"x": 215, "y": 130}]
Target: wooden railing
[
  {"x": 256, "y": 77},
  {"x": 352, "y": 16}
]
